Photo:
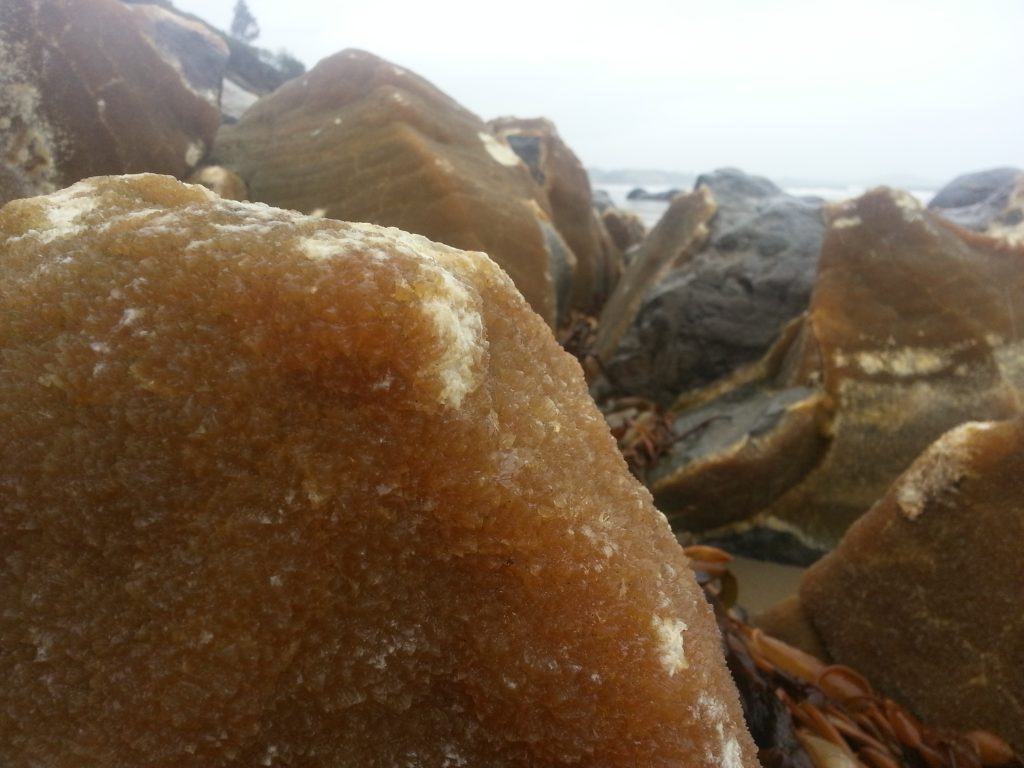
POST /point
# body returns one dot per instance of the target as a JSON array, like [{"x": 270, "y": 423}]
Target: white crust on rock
[
  {"x": 499, "y": 151},
  {"x": 450, "y": 304},
  {"x": 937, "y": 470}
]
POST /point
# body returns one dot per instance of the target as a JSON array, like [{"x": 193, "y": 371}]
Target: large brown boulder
[
  {"x": 913, "y": 329},
  {"x": 286, "y": 490},
  {"x": 365, "y": 140},
  {"x": 923, "y": 594},
  {"x": 565, "y": 182},
  {"x": 83, "y": 92}
]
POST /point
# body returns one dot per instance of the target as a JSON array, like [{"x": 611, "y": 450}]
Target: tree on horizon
[{"x": 243, "y": 23}]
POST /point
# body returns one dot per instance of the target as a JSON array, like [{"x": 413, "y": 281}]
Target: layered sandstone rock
[
  {"x": 287, "y": 490},
  {"x": 365, "y": 140},
  {"x": 82, "y": 92},
  {"x": 565, "y": 182},
  {"x": 913, "y": 329},
  {"x": 725, "y": 304},
  {"x": 923, "y": 593}
]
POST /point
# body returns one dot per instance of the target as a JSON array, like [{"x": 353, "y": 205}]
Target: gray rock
[
  {"x": 195, "y": 51},
  {"x": 602, "y": 200},
  {"x": 977, "y": 200},
  {"x": 723, "y": 307}
]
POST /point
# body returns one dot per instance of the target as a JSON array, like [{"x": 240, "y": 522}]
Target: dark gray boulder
[
  {"x": 978, "y": 200},
  {"x": 723, "y": 307}
]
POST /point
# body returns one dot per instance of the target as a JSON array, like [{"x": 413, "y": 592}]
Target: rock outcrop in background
[
  {"x": 987, "y": 201},
  {"x": 700, "y": 316},
  {"x": 913, "y": 329},
  {"x": 371, "y": 141},
  {"x": 564, "y": 180},
  {"x": 84, "y": 93}
]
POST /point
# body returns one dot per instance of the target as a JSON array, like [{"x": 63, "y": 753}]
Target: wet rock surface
[
  {"x": 986, "y": 201},
  {"x": 626, "y": 228},
  {"x": 724, "y": 306},
  {"x": 680, "y": 234},
  {"x": 561, "y": 175},
  {"x": 923, "y": 593},
  {"x": 912, "y": 330},
  {"x": 190, "y": 47},
  {"x": 370, "y": 141},
  {"x": 83, "y": 93},
  {"x": 284, "y": 489}
]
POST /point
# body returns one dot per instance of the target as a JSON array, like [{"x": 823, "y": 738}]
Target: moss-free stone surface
[
  {"x": 83, "y": 92},
  {"x": 914, "y": 328},
  {"x": 563, "y": 178},
  {"x": 923, "y": 594},
  {"x": 288, "y": 491},
  {"x": 361, "y": 139}
]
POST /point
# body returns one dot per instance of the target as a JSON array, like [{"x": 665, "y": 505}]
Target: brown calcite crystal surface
[
  {"x": 913, "y": 329},
  {"x": 83, "y": 92},
  {"x": 280, "y": 490},
  {"x": 923, "y": 594},
  {"x": 365, "y": 140}
]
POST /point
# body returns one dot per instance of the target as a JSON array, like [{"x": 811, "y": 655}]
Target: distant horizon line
[{"x": 665, "y": 177}]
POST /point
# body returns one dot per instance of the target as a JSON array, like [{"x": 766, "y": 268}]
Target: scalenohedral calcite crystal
[{"x": 286, "y": 491}]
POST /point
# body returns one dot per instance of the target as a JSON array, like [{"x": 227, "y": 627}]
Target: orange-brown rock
[
  {"x": 83, "y": 93},
  {"x": 284, "y": 490},
  {"x": 366, "y": 140},
  {"x": 913, "y": 328},
  {"x": 625, "y": 228},
  {"x": 923, "y": 594},
  {"x": 220, "y": 180},
  {"x": 565, "y": 182},
  {"x": 788, "y": 621}
]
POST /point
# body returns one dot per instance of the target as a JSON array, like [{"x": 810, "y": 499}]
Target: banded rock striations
[{"x": 365, "y": 140}]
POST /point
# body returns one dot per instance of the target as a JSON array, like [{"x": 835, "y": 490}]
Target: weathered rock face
[
  {"x": 82, "y": 93},
  {"x": 369, "y": 141},
  {"x": 923, "y": 593},
  {"x": 678, "y": 236},
  {"x": 724, "y": 306},
  {"x": 220, "y": 180},
  {"x": 285, "y": 489},
  {"x": 565, "y": 182},
  {"x": 625, "y": 228},
  {"x": 194, "y": 50},
  {"x": 987, "y": 201},
  {"x": 913, "y": 329},
  {"x": 253, "y": 72}
]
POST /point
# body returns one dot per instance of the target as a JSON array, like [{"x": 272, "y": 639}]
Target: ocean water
[{"x": 650, "y": 211}]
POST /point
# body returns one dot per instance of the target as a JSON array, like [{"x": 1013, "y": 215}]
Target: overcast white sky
[{"x": 862, "y": 92}]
